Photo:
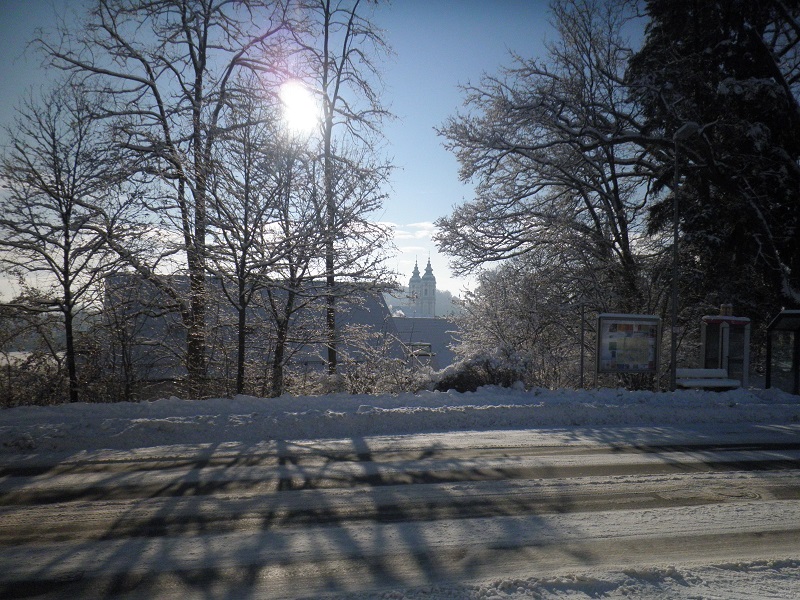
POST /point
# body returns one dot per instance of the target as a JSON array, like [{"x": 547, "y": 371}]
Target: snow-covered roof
[
  {"x": 786, "y": 320},
  {"x": 440, "y": 333}
]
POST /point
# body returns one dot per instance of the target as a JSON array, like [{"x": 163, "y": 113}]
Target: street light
[{"x": 685, "y": 131}]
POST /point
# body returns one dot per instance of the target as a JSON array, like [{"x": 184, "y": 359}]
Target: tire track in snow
[{"x": 358, "y": 518}]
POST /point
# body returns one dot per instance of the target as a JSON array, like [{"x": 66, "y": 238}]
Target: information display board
[{"x": 628, "y": 343}]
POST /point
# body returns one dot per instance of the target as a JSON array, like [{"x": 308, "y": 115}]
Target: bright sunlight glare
[{"x": 300, "y": 110}]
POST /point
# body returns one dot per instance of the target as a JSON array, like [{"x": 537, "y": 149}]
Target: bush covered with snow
[{"x": 489, "y": 368}]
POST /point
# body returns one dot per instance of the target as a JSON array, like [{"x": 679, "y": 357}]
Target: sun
[{"x": 300, "y": 110}]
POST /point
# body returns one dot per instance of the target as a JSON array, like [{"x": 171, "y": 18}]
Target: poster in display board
[{"x": 628, "y": 343}]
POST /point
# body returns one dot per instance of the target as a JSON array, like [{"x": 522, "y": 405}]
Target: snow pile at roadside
[
  {"x": 753, "y": 581},
  {"x": 251, "y": 420}
]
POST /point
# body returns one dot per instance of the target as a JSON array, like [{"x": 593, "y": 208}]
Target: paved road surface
[{"x": 299, "y": 519}]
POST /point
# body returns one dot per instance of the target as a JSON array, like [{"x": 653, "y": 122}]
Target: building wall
[{"x": 423, "y": 292}]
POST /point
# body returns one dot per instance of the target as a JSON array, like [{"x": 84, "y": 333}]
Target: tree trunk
[
  {"x": 278, "y": 358},
  {"x": 330, "y": 224},
  {"x": 241, "y": 339},
  {"x": 330, "y": 319},
  {"x": 72, "y": 368},
  {"x": 281, "y": 339},
  {"x": 196, "y": 336}
]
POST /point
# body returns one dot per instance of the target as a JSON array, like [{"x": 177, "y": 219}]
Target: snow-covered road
[
  {"x": 497, "y": 494},
  {"x": 364, "y": 515}
]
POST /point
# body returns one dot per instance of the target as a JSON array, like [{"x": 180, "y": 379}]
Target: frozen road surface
[{"x": 486, "y": 514}]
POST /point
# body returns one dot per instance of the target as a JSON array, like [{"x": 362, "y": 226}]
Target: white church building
[
  {"x": 422, "y": 291},
  {"x": 429, "y": 338}
]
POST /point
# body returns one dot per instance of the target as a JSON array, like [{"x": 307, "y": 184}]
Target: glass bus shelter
[{"x": 783, "y": 352}]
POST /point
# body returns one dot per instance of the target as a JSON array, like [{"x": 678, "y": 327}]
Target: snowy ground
[
  {"x": 247, "y": 420},
  {"x": 735, "y": 581},
  {"x": 31, "y": 432}
]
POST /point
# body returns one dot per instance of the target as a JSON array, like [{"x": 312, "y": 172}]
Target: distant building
[
  {"x": 423, "y": 292},
  {"x": 151, "y": 338},
  {"x": 428, "y": 341}
]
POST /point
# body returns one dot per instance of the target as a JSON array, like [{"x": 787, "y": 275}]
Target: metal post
[
  {"x": 685, "y": 131},
  {"x": 796, "y": 362},
  {"x": 583, "y": 337}
]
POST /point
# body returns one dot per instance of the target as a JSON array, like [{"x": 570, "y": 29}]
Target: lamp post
[{"x": 683, "y": 133}]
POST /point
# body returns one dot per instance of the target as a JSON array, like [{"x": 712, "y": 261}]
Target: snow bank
[
  {"x": 252, "y": 420},
  {"x": 753, "y": 581}
]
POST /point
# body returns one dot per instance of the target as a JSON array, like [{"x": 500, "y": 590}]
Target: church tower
[{"x": 423, "y": 291}]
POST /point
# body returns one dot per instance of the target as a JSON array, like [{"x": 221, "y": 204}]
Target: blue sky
[{"x": 437, "y": 44}]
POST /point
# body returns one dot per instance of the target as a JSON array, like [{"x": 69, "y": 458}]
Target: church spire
[
  {"x": 422, "y": 291},
  {"x": 429, "y": 272},
  {"x": 415, "y": 273}
]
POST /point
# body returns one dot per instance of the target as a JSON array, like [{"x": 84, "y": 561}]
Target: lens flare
[{"x": 300, "y": 109}]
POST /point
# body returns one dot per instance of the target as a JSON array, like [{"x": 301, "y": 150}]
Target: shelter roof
[{"x": 786, "y": 320}]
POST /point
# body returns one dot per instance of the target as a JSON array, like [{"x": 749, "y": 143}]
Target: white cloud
[
  {"x": 414, "y": 231},
  {"x": 422, "y": 225},
  {"x": 414, "y": 249},
  {"x": 415, "y": 245}
]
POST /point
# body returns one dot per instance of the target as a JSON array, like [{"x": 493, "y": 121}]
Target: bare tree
[
  {"x": 298, "y": 281},
  {"x": 293, "y": 288},
  {"x": 248, "y": 180},
  {"x": 270, "y": 226},
  {"x": 526, "y": 314},
  {"x": 167, "y": 69},
  {"x": 552, "y": 147},
  {"x": 31, "y": 355},
  {"x": 61, "y": 180},
  {"x": 340, "y": 45}
]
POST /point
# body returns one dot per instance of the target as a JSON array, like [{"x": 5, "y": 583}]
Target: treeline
[
  {"x": 652, "y": 153},
  {"x": 133, "y": 349},
  {"x": 656, "y": 144},
  {"x": 163, "y": 148}
]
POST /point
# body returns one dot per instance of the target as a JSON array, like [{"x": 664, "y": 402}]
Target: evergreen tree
[{"x": 732, "y": 67}]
